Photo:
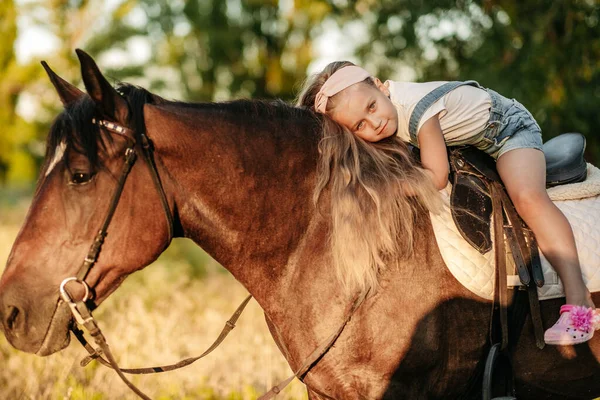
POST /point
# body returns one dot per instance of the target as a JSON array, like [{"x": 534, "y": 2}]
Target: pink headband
[{"x": 338, "y": 81}]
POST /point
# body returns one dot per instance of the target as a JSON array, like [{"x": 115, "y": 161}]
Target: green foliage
[
  {"x": 545, "y": 54},
  {"x": 16, "y": 133},
  {"x": 220, "y": 50},
  {"x": 199, "y": 51},
  {"x": 8, "y": 29}
]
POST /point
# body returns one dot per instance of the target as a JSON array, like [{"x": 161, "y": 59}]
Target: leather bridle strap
[
  {"x": 500, "y": 286},
  {"x": 90, "y": 324},
  {"x": 84, "y": 317},
  {"x": 92, "y": 256},
  {"x": 95, "y": 355},
  {"x": 148, "y": 147},
  {"x": 130, "y": 158},
  {"x": 317, "y": 353}
]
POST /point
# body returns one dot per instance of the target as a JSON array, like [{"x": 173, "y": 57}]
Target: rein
[{"x": 83, "y": 315}]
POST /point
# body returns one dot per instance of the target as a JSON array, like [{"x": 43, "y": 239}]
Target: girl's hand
[{"x": 433, "y": 151}]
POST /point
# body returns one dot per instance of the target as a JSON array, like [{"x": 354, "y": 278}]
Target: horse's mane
[{"x": 276, "y": 109}]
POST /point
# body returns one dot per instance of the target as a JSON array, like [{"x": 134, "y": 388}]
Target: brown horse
[{"x": 239, "y": 179}]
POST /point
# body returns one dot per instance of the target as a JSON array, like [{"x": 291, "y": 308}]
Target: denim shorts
[{"x": 510, "y": 127}]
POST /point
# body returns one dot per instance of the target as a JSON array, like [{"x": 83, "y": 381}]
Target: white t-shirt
[{"x": 463, "y": 112}]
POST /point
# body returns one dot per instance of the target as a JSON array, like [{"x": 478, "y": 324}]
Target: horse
[{"x": 238, "y": 179}]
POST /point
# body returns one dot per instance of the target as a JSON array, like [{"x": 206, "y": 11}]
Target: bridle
[
  {"x": 80, "y": 309},
  {"x": 83, "y": 315}
]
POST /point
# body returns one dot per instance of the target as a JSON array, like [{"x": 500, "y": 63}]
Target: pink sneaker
[{"x": 575, "y": 325}]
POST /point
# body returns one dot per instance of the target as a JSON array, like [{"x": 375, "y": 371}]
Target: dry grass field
[{"x": 171, "y": 310}]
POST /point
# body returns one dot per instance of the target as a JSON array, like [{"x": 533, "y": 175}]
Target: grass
[{"x": 171, "y": 310}]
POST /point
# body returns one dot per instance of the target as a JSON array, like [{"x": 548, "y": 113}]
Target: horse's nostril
[{"x": 11, "y": 319}]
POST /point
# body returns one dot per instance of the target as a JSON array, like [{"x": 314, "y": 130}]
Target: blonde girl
[{"x": 366, "y": 125}]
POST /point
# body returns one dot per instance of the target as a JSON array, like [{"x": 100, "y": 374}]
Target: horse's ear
[
  {"x": 108, "y": 100},
  {"x": 68, "y": 93}
]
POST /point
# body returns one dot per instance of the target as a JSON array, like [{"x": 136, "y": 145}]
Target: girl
[{"x": 431, "y": 116}]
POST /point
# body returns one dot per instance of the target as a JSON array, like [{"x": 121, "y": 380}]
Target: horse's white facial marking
[{"x": 58, "y": 155}]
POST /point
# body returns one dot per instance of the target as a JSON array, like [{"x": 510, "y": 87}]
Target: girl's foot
[{"x": 575, "y": 325}]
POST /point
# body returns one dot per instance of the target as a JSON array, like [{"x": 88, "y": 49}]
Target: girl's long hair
[{"x": 376, "y": 191}]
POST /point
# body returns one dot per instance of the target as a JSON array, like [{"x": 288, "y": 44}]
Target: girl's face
[{"x": 366, "y": 110}]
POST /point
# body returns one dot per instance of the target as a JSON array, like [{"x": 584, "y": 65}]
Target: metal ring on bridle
[{"x": 66, "y": 297}]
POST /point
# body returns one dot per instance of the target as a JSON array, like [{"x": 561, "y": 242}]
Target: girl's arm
[{"x": 434, "y": 157}]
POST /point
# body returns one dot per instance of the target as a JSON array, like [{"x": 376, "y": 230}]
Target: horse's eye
[{"x": 79, "y": 178}]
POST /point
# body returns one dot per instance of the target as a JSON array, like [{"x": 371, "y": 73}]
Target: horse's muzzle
[{"x": 41, "y": 330}]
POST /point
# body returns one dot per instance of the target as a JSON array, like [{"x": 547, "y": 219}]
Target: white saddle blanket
[{"x": 580, "y": 202}]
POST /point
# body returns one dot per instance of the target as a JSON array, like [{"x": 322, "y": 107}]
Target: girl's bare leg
[{"x": 523, "y": 172}]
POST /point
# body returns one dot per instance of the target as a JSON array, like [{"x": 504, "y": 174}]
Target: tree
[
  {"x": 219, "y": 50},
  {"x": 198, "y": 51},
  {"x": 21, "y": 141},
  {"x": 545, "y": 54},
  {"x": 15, "y": 164}
]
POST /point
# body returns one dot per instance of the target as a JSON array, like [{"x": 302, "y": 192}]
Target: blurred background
[{"x": 544, "y": 53}]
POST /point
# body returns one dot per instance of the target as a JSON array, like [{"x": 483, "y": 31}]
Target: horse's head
[{"x": 85, "y": 159}]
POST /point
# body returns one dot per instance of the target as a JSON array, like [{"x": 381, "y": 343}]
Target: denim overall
[{"x": 509, "y": 119}]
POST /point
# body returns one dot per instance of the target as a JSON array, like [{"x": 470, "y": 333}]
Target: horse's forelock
[{"x": 73, "y": 130}]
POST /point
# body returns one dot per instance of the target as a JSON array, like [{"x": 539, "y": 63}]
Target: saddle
[
  {"x": 473, "y": 171},
  {"x": 478, "y": 197}
]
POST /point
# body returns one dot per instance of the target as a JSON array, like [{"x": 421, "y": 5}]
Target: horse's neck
[{"x": 242, "y": 194}]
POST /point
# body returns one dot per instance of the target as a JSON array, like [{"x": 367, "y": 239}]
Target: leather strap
[
  {"x": 534, "y": 301},
  {"x": 130, "y": 158},
  {"x": 94, "y": 330},
  {"x": 523, "y": 252},
  {"x": 92, "y": 256},
  {"x": 92, "y": 327},
  {"x": 148, "y": 147},
  {"x": 501, "y": 290},
  {"x": 97, "y": 355},
  {"x": 316, "y": 354},
  {"x": 519, "y": 246},
  {"x": 536, "y": 263},
  {"x": 520, "y": 239}
]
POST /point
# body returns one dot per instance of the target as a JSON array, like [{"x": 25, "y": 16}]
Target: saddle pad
[
  {"x": 579, "y": 190},
  {"x": 476, "y": 271}
]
